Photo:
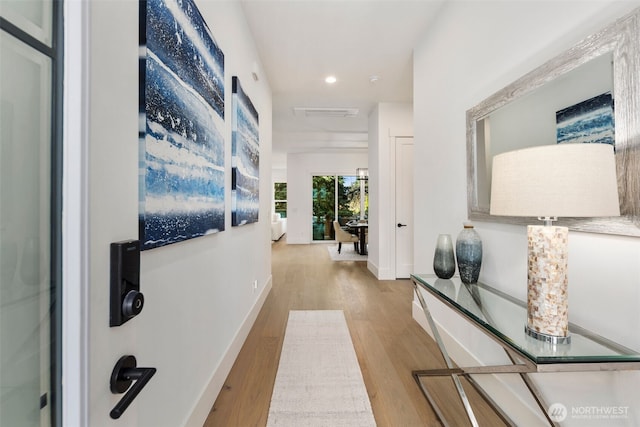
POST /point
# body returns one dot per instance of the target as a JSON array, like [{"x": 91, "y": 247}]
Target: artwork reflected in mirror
[
  {"x": 587, "y": 122},
  {"x": 585, "y": 95}
]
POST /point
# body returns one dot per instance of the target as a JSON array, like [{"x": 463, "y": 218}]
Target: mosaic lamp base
[{"x": 547, "y": 293}]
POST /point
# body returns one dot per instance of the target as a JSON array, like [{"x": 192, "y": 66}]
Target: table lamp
[{"x": 551, "y": 181}]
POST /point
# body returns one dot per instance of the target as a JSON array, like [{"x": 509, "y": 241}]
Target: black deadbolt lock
[{"x": 126, "y": 299}]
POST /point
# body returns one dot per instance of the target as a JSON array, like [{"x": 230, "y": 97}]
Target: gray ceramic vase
[
  {"x": 444, "y": 263},
  {"x": 469, "y": 254}
]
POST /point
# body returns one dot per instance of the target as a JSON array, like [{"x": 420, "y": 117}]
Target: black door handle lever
[
  {"x": 124, "y": 373},
  {"x": 401, "y": 225}
]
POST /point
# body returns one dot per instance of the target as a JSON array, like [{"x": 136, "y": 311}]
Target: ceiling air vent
[{"x": 325, "y": 112}]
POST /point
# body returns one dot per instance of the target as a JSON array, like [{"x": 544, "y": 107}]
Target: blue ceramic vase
[
  {"x": 444, "y": 263},
  {"x": 469, "y": 254}
]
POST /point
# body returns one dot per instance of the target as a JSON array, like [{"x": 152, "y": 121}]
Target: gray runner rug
[{"x": 319, "y": 382}]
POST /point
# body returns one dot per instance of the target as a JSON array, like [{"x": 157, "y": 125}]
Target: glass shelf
[{"x": 505, "y": 317}]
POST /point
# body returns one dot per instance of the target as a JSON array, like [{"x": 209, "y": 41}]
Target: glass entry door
[
  {"x": 28, "y": 219},
  {"x": 324, "y": 207},
  {"x": 335, "y": 196}
]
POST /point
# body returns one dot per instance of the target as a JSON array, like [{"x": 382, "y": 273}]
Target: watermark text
[{"x": 559, "y": 412}]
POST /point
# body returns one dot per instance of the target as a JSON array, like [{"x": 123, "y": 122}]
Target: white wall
[
  {"x": 472, "y": 50},
  {"x": 279, "y": 175},
  {"x": 386, "y": 121},
  {"x": 301, "y": 167},
  {"x": 199, "y": 296}
]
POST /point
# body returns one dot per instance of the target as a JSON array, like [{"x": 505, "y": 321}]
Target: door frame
[
  {"x": 391, "y": 228},
  {"x": 75, "y": 222},
  {"x": 399, "y": 141}
]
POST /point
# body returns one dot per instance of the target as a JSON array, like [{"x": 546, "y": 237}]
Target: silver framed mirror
[{"x": 523, "y": 114}]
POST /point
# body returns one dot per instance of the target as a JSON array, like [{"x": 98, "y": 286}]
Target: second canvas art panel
[{"x": 245, "y": 158}]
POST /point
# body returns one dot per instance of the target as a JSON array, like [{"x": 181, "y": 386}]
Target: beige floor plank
[{"x": 388, "y": 342}]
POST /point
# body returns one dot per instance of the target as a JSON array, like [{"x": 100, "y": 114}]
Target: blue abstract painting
[
  {"x": 590, "y": 121},
  {"x": 181, "y": 158},
  {"x": 245, "y": 158}
]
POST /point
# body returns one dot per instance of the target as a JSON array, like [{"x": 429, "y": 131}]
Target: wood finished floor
[{"x": 388, "y": 342}]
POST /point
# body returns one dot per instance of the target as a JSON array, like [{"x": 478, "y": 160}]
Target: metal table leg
[
  {"x": 515, "y": 368},
  {"x": 447, "y": 359}
]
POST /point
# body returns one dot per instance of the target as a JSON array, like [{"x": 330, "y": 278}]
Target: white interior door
[{"x": 404, "y": 207}]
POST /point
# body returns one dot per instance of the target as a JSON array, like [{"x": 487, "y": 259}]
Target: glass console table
[{"x": 503, "y": 318}]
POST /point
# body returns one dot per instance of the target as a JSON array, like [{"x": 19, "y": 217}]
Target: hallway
[{"x": 388, "y": 342}]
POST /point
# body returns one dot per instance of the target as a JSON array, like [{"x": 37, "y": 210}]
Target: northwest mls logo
[{"x": 557, "y": 412}]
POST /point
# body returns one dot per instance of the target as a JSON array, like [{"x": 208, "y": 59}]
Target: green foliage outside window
[
  {"x": 324, "y": 203},
  {"x": 280, "y": 191},
  {"x": 280, "y": 198}
]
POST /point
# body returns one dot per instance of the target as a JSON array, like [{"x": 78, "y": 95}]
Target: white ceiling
[{"x": 300, "y": 42}]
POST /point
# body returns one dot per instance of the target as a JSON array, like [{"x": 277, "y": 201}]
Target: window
[
  {"x": 336, "y": 196},
  {"x": 280, "y": 198}
]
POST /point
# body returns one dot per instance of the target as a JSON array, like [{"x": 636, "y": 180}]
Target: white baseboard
[
  {"x": 499, "y": 387},
  {"x": 208, "y": 396},
  {"x": 380, "y": 273},
  {"x": 372, "y": 268}
]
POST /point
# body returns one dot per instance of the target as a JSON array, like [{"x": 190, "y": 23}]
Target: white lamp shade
[{"x": 560, "y": 180}]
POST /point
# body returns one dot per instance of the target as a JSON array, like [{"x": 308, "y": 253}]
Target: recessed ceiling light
[{"x": 331, "y": 79}]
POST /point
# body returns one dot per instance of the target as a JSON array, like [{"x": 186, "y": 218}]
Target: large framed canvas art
[
  {"x": 181, "y": 123},
  {"x": 245, "y": 158}
]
